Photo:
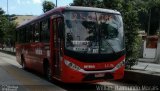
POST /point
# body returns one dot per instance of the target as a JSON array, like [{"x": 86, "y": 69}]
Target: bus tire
[
  {"x": 23, "y": 63},
  {"x": 47, "y": 71}
]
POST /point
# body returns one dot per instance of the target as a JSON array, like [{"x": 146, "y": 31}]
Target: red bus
[{"x": 73, "y": 44}]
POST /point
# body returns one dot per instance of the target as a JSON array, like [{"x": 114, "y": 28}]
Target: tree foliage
[
  {"x": 87, "y": 3},
  {"x": 131, "y": 28},
  {"x": 47, "y": 5},
  {"x": 148, "y": 9},
  {"x": 154, "y": 13},
  {"x": 7, "y": 28},
  {"x": 2, "y": 20},
  {"x": 1, "y": 11}
]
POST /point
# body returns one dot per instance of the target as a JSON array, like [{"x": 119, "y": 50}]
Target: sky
[{"x": 28, "y": 7}]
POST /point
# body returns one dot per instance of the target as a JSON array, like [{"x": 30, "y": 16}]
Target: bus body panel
[{"x": 34, "y": 55}]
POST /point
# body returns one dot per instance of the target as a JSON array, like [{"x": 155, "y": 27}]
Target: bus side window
[
  {"x": 37, "y": 32},
  {"x": 17, "y": 36},
  {"x": 45, "y": 36},
  {"x": 22, "y": 35},
  {"x": 32, "y": 33},
  {"x": 28, "y": 34}
]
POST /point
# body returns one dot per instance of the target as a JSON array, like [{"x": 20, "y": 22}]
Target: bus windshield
[{"x": 93, "y": 32}]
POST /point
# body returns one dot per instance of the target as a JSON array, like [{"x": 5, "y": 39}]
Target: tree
[
  {"x": 87, "y": 3},
  {"x": 114, "y": 4},
  {"x": 2, "y": 19},
  {"x": 7, "y": 28},
  {"x": 131, "y": 27},
  {"x": 154, "y": 14},
  {"x": 48, "y": 5},
  {"x": 148, "y": 12},
  {"x": 1, "y": 11},
  {"x": 77, "y": 3}
]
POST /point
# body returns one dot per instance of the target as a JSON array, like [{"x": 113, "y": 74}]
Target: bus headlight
[
  {"x": 71, "y": 65},
  {"x": 120, "y": 64}
]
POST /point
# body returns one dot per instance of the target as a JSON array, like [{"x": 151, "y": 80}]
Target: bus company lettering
[
  {"x": 89, "y": 66},
  {"x": 93, "y": 66},
  {"x": 109, "y": 65}
]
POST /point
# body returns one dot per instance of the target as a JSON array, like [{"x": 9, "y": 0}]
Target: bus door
[{"x": 57, "y": 57}]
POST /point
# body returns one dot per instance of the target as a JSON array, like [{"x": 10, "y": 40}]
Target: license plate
[{"x": 100, "y": 75}]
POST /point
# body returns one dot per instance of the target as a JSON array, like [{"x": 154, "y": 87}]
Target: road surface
[{"x": 14, "y": 78}]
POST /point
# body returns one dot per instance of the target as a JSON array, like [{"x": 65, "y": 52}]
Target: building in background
[
  {"x": 23, "y": 18},
  {"x": 150, "y": 47}
]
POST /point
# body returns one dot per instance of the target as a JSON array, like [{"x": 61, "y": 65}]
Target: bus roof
[
  {"x": 72, "y": 8},
  {"x": 80, "y": 8}
]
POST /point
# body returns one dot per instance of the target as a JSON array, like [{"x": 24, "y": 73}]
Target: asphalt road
[{"x": 14, "y": 78}]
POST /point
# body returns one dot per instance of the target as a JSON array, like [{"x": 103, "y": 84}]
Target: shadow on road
[{"x": 76, "y": 87}]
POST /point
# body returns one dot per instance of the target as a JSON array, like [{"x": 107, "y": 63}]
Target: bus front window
[
  {"x": 80, "y": 32},
  {"x": 111, "y": 32},
  {"x": 93, "y": 33}
]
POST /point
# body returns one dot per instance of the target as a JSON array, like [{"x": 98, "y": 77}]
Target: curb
[{"x": 142, "y": 77}]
